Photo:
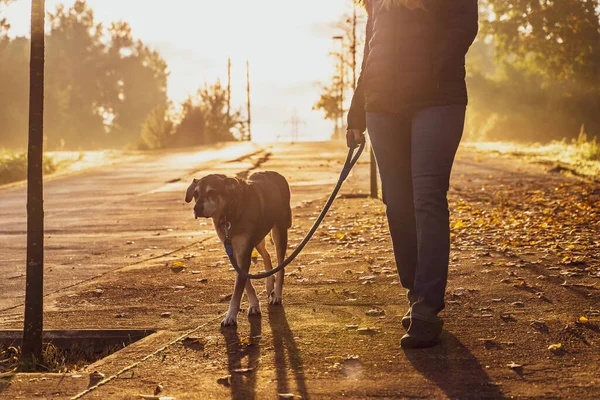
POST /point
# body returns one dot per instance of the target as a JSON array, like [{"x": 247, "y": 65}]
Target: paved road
[
  {"x": 122, "y": 214},
  {"x": 90, "y": 217}
]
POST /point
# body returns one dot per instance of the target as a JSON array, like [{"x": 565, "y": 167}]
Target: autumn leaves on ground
[{"x": 522, "y": 316}]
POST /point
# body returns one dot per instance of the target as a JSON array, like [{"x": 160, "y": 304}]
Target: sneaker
[{"x": 421, "y": 334}]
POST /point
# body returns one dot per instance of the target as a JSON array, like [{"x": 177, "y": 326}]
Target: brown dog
[{"x": 249, "y": 210}]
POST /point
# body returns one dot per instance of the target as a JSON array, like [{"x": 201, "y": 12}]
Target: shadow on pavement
[
  {"x": 454, "y": 369},
  {"x": 283, "y": 342},
  {"x": 243, "y": 377}
]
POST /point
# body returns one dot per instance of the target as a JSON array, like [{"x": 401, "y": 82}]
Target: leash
[{"x": 351, "y": 160}]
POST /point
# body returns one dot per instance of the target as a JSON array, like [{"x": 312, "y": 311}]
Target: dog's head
[{"x": 211, "y": 194}]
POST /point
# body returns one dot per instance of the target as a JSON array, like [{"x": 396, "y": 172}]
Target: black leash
[{"x": 351, "y": 160}]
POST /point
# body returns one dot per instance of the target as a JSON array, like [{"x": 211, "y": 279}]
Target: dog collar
[{"x": 227, "y": 228}]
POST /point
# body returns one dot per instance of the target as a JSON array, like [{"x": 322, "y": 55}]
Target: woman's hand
[{"x": 354, "y": 138}]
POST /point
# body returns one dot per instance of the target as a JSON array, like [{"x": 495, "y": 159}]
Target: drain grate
[{"x": 76, "y": 347}]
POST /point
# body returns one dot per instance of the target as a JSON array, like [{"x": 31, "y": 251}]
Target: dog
[{"x": 247, "y": 211}]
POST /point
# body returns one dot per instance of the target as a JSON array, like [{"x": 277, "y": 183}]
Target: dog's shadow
[
  {"x": 243, "y": 375},
  {"x": 454, "y": 369},
  {"x": 283, "y": 342}
]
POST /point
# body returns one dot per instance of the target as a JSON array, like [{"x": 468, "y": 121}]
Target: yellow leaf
[
  {"x": 555, "y": 347},
  {"x": 254, "y": 253},
  {"x": 459, "y": 224},
  {"x": 583, "y": 320},
  {"x": 340, "y": 236},
  {"x": 177, "y": 264}
]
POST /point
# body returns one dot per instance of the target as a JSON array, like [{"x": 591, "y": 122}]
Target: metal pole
[
  {"x": 228, "y": 87},
  {"x": 354, "y": 21},
  {"x": 34, "y": 290},
  {"x": 249, "y": 110}
]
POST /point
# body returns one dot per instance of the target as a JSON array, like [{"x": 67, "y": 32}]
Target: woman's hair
[{"x": 410, "y": 4}]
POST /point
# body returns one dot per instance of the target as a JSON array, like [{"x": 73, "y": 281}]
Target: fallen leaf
[
  {"x": 556, "y": 348},
  {"x": 96, "y": 375},
  {"x": 514, "y": 365},
  {"x": 225, "y": 297},
  {"x": 243, "y": 370},
  {"x": 165, "y": 314},
  {"x": 159, "y": 388},
  {"x": 224, "y": 380},
  {"x": 375, "y": 313},
  {"x": 583, "y": 320}
]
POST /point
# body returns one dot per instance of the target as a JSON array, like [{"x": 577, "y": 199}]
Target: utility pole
[
  {"x": 249, "y": 138},
  {"x": 340, "y": 120},
  {"x": 354, "y": 22},
  {"x": 295, "y": 123},
  {"x": 228, "y": 87},
  {"x": 34, "y": 289}
]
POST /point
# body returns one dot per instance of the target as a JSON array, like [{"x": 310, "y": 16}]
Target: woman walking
[{"x": 412, "y": 97}]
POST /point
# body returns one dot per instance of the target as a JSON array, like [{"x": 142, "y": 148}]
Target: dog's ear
[{"x": 192, "y": 191}]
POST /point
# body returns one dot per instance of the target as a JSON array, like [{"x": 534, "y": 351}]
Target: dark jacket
[{"x": 414, "y": 59}]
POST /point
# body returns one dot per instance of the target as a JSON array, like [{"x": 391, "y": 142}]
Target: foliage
[
  {"x": 157, "y": 130},
  {"x": 533, "y": 71},
  {"x": 100, "y": 83},
  {"x": 329, "y": 101},
  {"x": 13, "y": 166},
  {"x": 341, "y": 85},
  {"x": 204, "y": 118},
  {"x": 560, "y": 38}
]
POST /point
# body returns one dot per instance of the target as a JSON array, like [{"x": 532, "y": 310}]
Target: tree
[
  {"x": 157, "y": 130},
  {"x": 561, "y": 39},
  {"x": 333, "y": 94},
  {"x": 219, "y": 125},
  {"x": 34, "y": 292}
]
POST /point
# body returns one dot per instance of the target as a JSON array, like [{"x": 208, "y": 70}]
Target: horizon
[{"x": 288, "y": 56}]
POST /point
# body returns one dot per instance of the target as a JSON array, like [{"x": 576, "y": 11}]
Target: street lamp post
[{"x": 339, "y": 127}]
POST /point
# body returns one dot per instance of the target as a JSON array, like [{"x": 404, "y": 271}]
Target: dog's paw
[
  {"x": 275, "y": 301},
  {"x": 229, "y": 320},
  {"x": 254, "y": 310}
]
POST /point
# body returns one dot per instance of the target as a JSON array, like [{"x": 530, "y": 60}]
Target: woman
[{"x": 412, "y": 97}]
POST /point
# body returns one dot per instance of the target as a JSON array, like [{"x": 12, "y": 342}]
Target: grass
[
  {"x": 54, "y": 359},
  {"x": 13, "y": 166},
  {"x": 580, "y": 156}
]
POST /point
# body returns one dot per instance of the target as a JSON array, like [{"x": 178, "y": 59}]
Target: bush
[
  {"x": 157, "y": 131},
  {"x": 13, "y": 166}
]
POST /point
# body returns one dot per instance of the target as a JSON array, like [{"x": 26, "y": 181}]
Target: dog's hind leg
[
  {"x": 280, "y": 236},
  {"x": 270, "y": 281},
  {"x": 243, "y": 258}
]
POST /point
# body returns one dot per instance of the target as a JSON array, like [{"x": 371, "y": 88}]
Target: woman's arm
[
  {"x": 460, "y": 29},
  {"x": 357, "y": 118}
]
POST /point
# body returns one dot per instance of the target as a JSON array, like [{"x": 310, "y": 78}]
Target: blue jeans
[{"x": 415, "y": 152}]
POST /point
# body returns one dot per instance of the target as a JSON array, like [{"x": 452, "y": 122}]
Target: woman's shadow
[
  {"x": 243, "y": 377},
  {"x": 454, "y": 369}
]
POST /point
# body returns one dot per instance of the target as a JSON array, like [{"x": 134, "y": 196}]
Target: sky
[{"x": 287, "y": 43}]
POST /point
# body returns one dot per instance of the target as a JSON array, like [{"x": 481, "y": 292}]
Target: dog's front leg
[{"x": 242, "y": 258}]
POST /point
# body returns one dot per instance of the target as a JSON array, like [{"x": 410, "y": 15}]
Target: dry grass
[{"x": 581, "y": 155}]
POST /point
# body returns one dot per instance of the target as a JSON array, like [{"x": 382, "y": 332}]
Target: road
[
  {"x": 105, "y": 218},
  {"x": 523, "y": 249}
]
